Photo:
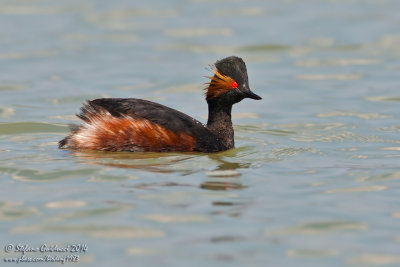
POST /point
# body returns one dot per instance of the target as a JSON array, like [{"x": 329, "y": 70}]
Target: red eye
[{"x": 233, "y": 84}]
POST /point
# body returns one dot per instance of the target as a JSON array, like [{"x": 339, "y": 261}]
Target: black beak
[{"x": 252, "y": 95}]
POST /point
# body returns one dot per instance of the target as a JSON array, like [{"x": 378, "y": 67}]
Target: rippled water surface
[{"x": 313, "y": 180}]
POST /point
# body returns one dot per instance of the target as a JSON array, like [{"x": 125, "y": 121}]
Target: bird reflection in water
[{"x": 224, "y": 176}]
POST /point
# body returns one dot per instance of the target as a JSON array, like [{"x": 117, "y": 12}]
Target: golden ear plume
[{"x": 218, "y": 85}]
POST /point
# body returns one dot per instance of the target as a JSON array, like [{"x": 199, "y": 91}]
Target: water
[{"x": 313, "y": 180}]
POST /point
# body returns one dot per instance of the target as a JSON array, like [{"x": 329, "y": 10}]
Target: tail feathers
[
  {"x": 87, "y": 113},
  {"x": 63, "y": 142},
  {"x": 88, "y": 110}
]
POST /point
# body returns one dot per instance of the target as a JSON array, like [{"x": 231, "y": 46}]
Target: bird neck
[{"x": 220, "y": 122}]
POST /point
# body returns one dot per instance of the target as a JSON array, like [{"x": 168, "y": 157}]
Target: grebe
[{"x": 136, "y": 125}]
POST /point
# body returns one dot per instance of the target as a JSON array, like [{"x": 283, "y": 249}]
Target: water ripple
[
  {"x": 31, "y": 127},
  {"x": 97, "y": 231},
  {"x": 383, "y": 98},
  {"x": 322, "y": 77},
  {"x": 371, "y": 188},
  {"x": 374, "y": 259},
  {"x": 313, "y": 228},
  {"x": 10, "y": 211},
  {"x": 240, "y": 12},
  {"x": 381, "y": 177},
  {"x": 366, "y": 116},
  {"x": 163, "y": 218},
  {"x": 33, "y": 175},
  {"x": 65, "y": 204},
  {"x": 6, "y": 112},
  {"x": 312, "y": 253},
  {"x": 290, "y": 152},
  {"x": 198, "y": 32},
  {"x": 332, "y": 137},
  {"x": 336, "y": 62}
]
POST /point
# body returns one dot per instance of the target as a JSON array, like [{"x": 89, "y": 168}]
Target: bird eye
[{"x": 234, "y": 84}]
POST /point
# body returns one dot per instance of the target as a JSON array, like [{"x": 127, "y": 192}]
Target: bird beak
[{"x": 252, "y": 95}]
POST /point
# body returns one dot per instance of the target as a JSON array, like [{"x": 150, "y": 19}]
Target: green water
[{"x": 314, "y": 177}]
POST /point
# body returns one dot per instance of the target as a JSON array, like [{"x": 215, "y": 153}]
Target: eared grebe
[{"x": 129, "y": 124}]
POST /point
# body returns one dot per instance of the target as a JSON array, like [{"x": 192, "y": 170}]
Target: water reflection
[
  {"x": 224, "y": 175},
  {"x": 153, "y": 162},
  {"x": 217, "y": 185},
  {"x": 183, "y": 163}
]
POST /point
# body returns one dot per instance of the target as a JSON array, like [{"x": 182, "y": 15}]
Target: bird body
[{"x": 136, "y": 125}]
